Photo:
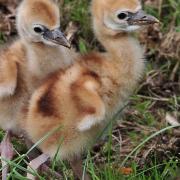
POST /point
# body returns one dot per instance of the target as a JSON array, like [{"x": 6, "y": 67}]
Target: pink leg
[
  {"x": 77, "y": 167},
  {"x": 43, "y": 168},
  {"x": 6, "y": 149},
  {"x": 35, "y": 164}
]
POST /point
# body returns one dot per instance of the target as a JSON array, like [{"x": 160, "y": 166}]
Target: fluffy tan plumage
[
  {"x": 82, "y": 98},
  {"x": 31, "y": 58},
  {"x": 12, "y": 85},
  {"x": 38, "y": 24},
  {"x": 26, "y": 63}
]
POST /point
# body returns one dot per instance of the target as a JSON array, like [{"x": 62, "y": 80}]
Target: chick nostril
[
  {"x": 122, "y": 16},
  {"x": 144, "y": 17}
]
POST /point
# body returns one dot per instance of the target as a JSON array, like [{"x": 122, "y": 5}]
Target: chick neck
[
  {"x": 43, "y": 59},
  {"x": 122, "y": 47},
  {"x": 123, "y": 50}
]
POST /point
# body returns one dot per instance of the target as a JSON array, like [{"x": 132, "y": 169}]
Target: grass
[
  {"x": 109, "y": 169},
  {"x": 142, "y": 141}
]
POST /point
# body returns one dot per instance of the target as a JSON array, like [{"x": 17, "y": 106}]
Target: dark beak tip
[
  {"x": 142, "y": 18},
  {"x": 157, "y": 21},
  {"x": 153, "y": 20},
  {"x": 57, "y": 37},
  {"x": 67, "y": 43}
]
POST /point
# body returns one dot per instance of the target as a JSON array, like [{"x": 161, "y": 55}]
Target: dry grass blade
[
  {"x": 170, "y": 46},
  {"x": 71, "y": 30},
  {"x": 172, "y": 120},
  {"x": 145, "y": 141}
]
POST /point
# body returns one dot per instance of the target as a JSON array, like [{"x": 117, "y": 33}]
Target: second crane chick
[
  {"x": 84, "y": 97},
  {"x": 29, "y": 60}
]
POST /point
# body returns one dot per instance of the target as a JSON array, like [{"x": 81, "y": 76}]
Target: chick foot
[
  {"x": 34, "y": 153},
  {"x": 43, "y": 167},
  {"x": 35, "y": 165},
  {"x": 77, "y": 167},
  {"x": 7, "y": 153}
]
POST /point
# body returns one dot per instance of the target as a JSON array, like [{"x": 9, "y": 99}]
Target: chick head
[
  {"x": 38, "y": 21},
  {"x": 119, "y": 16}
]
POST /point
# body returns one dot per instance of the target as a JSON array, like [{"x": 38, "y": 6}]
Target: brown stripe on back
[
  {"x": 46, "y": 104},
  {"x": 93, "y": 75}
]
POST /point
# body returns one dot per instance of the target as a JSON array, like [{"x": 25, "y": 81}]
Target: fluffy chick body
[
  {"x": 81, "y": 99},
  {"x": 26, "y": 63},
  {"x": 44, "y": 53},
  {"x": 12, "y": 85}
]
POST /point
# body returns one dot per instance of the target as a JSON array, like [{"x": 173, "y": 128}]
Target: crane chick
[
  {"x": 28, "y": 61},
  {"x": 81, "y": 99}
]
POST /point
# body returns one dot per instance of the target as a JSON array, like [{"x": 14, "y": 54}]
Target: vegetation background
[{"x": 144, "y": 142}]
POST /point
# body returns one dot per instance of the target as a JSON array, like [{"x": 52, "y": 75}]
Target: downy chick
[
  {"x": 81, "y": 99},
  {"x": 38, "y": 24},
  {"x": 31, "y": 58}
]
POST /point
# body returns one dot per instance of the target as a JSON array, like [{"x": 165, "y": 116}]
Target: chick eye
[
  {"x": 38, "y": 29},
  {"x": 122, "y": 15}
]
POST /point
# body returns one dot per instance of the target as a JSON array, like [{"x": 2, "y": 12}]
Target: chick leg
[
  {"x": 35, "y": 164},
  {"x": 7, "y": 152},
  {"x": 77, "y": 167},
  {"x": 35, "y": 152}
]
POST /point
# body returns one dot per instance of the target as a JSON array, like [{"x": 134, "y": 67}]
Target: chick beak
[
  {"x": 141, "y": 18},
  {"x": 57, "y": 37}
]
